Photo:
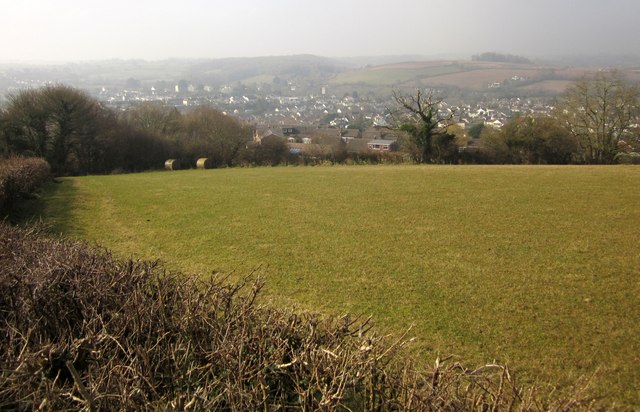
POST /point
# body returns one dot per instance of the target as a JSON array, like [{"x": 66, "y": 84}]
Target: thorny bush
[{"x": 19, "y": 176}]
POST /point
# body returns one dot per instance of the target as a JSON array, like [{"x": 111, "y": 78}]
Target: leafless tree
[{"x": 601, "y": 111}]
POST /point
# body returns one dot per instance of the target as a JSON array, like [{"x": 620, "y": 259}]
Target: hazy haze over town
[{"x": 74, "y": 30}]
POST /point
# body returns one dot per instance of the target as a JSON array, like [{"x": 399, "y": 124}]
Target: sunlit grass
[{"x": 538, "y": 267}]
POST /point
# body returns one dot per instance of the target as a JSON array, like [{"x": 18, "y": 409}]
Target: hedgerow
[
  {"x": 82, "y": 330},
  {"x": 20, "y": 176}
]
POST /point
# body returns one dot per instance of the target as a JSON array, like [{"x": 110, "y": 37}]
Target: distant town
[
  {"x": 298, "y": 105},
  {"x": 322, "y": 109}
]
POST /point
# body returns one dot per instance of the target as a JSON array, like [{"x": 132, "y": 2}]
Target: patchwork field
[
  {"x": 467, "y": 75},
  {"x": 536, "y": 267},
  {"x": 393, "y": 75}
]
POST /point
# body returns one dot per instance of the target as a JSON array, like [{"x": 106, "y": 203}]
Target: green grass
[{"x": 536, "y": 267}]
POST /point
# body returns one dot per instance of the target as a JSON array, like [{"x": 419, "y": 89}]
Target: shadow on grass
[{"x": 50, "y": 205}]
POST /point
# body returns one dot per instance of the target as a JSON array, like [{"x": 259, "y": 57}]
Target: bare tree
[
  {"x": 420, "y": 118},
  {"x": 600, "y": 111},
  {"x": 207, "y": 132},
  {"x": 155, "y": 118}
]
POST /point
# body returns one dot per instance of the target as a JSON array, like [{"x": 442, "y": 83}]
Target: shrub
[
  {"x": 83, "y": 330},
  {"x": 20, "y": 176}
]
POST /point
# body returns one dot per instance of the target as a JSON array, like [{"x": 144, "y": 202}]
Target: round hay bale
[
  {"x": 204, "y": 163},
  {"x": 172, "y": 164}
]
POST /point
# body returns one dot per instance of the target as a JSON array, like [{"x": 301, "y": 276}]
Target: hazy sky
[{"x": 64, "y": 30}]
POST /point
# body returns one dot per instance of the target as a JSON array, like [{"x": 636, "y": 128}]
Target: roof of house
[
  {"x": 327, "y": 132},
  {"x": 381, "y": 141},
  {"x": 378, "y": 133},
  {"x": 264, "y": 132}
]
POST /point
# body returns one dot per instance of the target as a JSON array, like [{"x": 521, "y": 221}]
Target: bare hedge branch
[{"x": 20, "y": 176}]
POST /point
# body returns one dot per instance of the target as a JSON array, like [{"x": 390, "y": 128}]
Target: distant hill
[
  {"x": 205, "y": 71},
  {"x": 500, "y": 58},
  {"x": 493, "y": 73},
  {"x": 240, "y": 69}
]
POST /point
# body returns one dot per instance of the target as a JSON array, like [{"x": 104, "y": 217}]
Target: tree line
[
  {"x": 76, "y": 134},
  {"x": 500, "y": 58}
]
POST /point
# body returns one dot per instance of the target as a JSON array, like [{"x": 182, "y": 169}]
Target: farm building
[{"x": 381, "y": 145}]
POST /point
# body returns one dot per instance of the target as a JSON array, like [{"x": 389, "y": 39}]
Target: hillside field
[
  {"x": 466, "y": 75},
  {"x": 537, "y": 267}
]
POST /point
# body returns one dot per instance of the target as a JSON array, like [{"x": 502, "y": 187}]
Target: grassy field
[{"x": 536, "y": 267}]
